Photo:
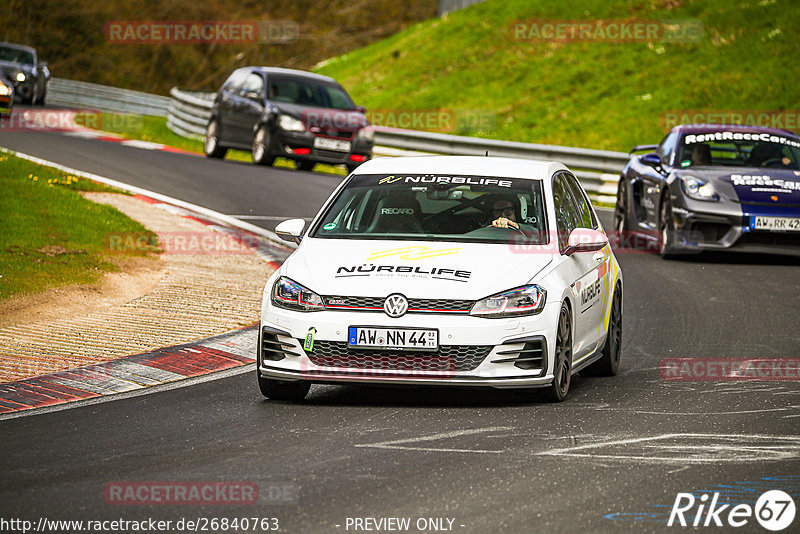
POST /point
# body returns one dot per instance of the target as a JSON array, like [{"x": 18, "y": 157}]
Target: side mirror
[
  {"x": 361, "y": 109},
  {"x": 585, "y": 240},
  {"x": 42, "y": 64},
  {"x": 651, "y": 160},
  {"x": 291, "y": 230}
]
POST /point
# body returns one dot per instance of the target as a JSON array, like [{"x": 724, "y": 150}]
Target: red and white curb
[
  {"x": 135, "y": 143},
  {"x": 140, "y": 371},
  {"x": 63, "y": 121}
]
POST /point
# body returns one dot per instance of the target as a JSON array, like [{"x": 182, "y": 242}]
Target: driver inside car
[{"x": 503, "y": 213}]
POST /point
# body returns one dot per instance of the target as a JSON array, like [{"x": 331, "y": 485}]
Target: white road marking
[
  {"x": 84, "y": 135},
  {"x": 684, "y": 468},
  {"x": 407, "y": 444},
  {"x": 269, "y": 217},
  {"x": 729, "y": 449},
  {"x": 147, "y": 145}
]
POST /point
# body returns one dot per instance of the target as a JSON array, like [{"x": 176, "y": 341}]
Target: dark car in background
[
  {"x": 20, "y": 68},
  {"x": 714, "y": 187},
  {"x": 274, "y": 112}
]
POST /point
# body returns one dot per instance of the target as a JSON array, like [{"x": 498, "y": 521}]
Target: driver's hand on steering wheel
[{"x": 502, "y": 222}]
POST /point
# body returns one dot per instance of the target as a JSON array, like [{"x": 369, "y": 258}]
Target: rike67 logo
[{"x": 774, "y": 510}]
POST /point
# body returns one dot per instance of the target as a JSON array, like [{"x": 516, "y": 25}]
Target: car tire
[
  {"x": 282, "y": 390},
  {"x": 608, "y": 364},
  {"x": 562, "y": 357},
  {"x": 666, "y": 229},
  {"x": 261, "y": 144},
  {"x": 211, "y": 146},
  {"x": 305, "y": 165}
]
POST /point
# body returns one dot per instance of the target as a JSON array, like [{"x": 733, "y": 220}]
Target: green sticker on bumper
[{"x": 308, "y": 346}]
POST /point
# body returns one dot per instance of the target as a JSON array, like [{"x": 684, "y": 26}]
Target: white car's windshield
[
  {"x": 436, "y": 207},
  {"x": 296, "y": 90},
  {"x": 736, "y": 149}
]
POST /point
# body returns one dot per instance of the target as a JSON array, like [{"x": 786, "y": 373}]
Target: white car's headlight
[
  {"x": 367, "y": 133},
  {"x": 290, "y": 124},
  {"x": 20, "y": 76},
  {"x": 287, "y": 293},
  {"x": 698, "y": 189},
  {"x": 525, "y": 300}
]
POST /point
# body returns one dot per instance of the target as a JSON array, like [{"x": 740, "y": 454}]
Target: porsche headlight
[
  {"x": 525, "y": 300},
  {"x": 286, "y": 293},
  {"x": 698, "y": 189},
  {"x": 20, "y": 76},
  {"x": 290, "y": 124}
]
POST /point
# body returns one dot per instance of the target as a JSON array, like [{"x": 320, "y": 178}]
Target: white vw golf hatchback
[{"x": 444, "y": 270}]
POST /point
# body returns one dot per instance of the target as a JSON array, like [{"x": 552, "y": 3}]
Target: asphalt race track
[
  {"x": 229, "y": 187},
  {"x": 613, "y": 457}
]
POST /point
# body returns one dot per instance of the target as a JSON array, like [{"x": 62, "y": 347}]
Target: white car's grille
[
  {"x": 449, "y": 358},
  {"x": 414, "y": 305}
]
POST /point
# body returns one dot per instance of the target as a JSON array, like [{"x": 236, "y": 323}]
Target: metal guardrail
[
  {"x": 598, "y": 170},
  {"x": 71, "y": 93},
  {"x": 188, "y": 112}
]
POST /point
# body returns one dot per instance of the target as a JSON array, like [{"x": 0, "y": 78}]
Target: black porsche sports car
[
  {"x": 714, "y": 187},
  {"x": 21, "y": 68}
]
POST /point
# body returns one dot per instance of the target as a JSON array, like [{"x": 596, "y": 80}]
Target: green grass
[
  {"x": 591, "y": 94},
  {"x": 154, "y": 129},
  {"x": 52, "y": 236}
]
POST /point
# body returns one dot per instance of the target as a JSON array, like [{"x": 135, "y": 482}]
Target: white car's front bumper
[{"x": 474, "y": 351}]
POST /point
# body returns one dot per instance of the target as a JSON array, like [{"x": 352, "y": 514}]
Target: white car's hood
[{"x": 417, "y": 269}]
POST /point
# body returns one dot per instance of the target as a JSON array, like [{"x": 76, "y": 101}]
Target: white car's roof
[{"x": 463, "y": 165}]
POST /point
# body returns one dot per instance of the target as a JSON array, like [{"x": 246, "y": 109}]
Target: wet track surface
[{"x": 612, "y": 457}]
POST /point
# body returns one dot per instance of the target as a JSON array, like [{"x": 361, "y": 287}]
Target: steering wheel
[
  {"x": 771, "y": 162},
  {"x": 509, "y": 227}
]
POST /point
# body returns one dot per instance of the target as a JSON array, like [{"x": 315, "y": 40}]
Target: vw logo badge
[{"x": 395, "y": 305}]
